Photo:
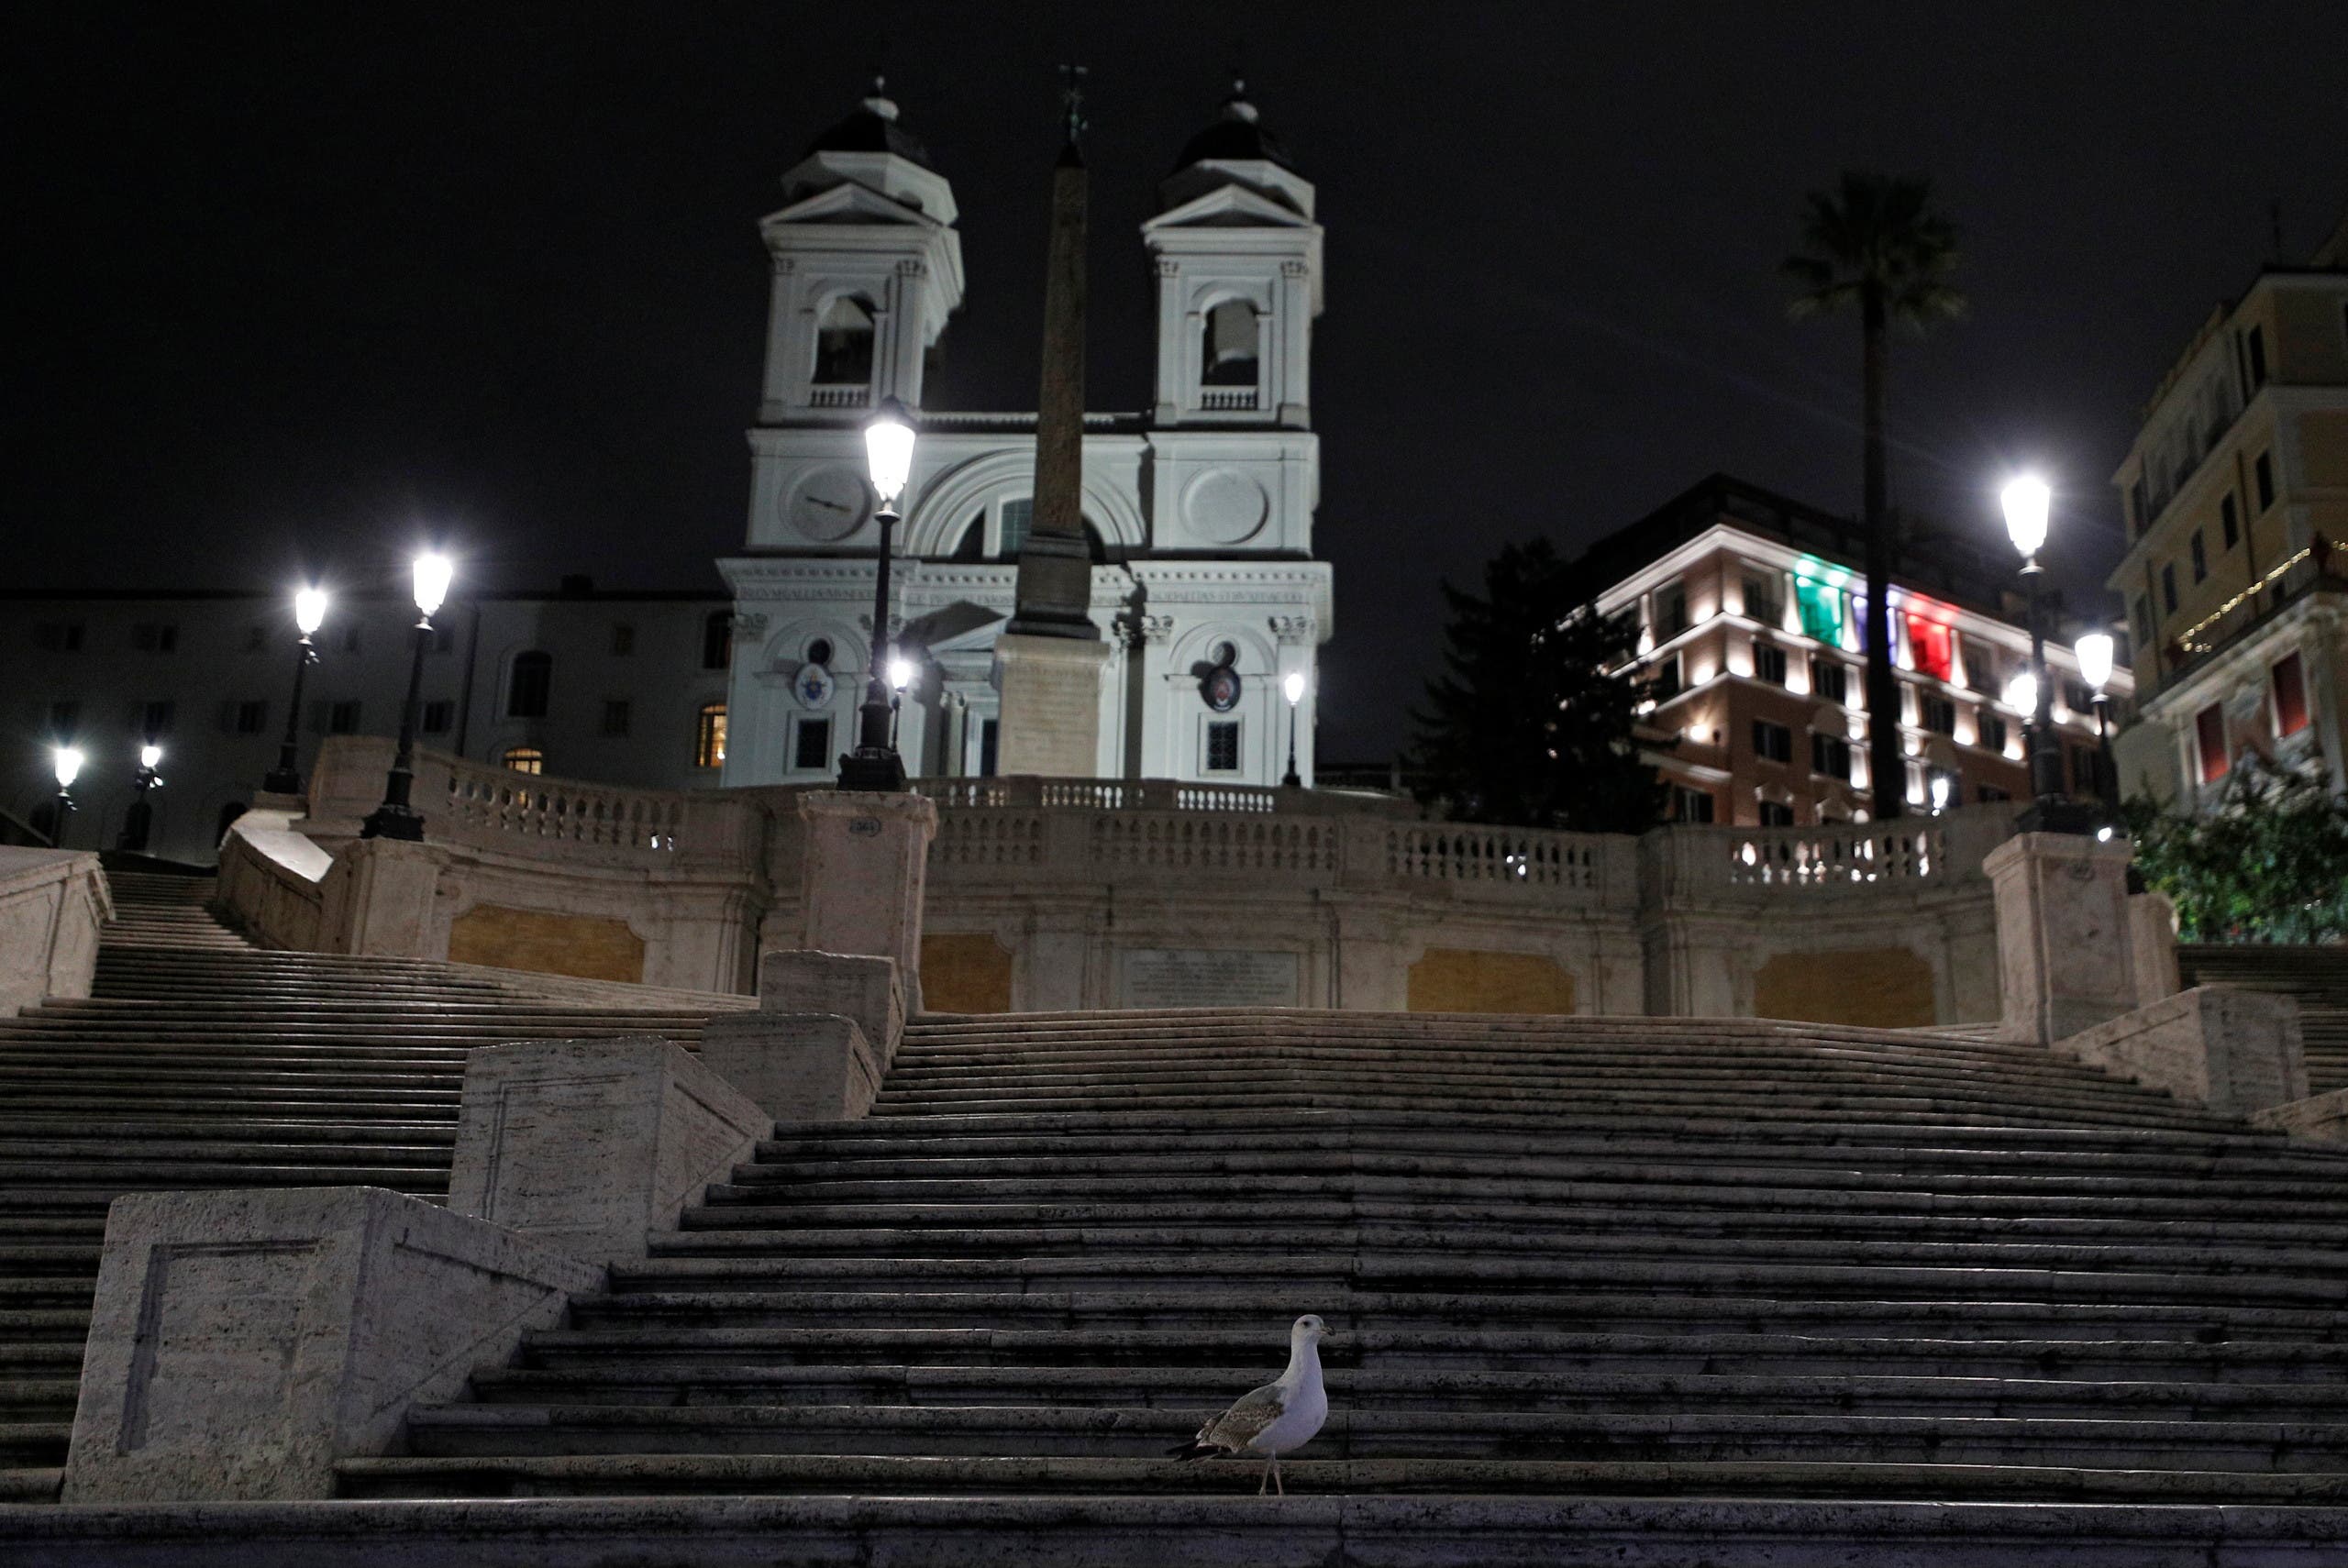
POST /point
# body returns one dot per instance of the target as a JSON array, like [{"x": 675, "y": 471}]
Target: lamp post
[
  {"x": 2094, "y": 652},
  {"x": 1292, "y": 689},
  {"x": 140, "y": 820},
  {"x": 396, "y": 818},
  {"x": 309, "y": 615},
  {"x": 874, "y": 763},
  {"x": 2026, "y": 501},
  {"x": 67, "y": 761},
  {"x": 900, "y": 674}
]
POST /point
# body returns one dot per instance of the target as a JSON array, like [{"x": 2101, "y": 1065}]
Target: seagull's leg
[
  {"x": 1267, "y": 1479},
  {"x": 1277, "y": 1482}
]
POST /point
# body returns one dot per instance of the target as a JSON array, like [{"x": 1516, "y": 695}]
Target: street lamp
[
  {"x": 140, "y": 820},
  {"x": 2094, "y": 652},
  {"x": 309, "y": 615},
  {"x": 889, "y": 451},
  {"x": 68, "y": 762},
  {"x": 1293, "y": 689},
  {"x": 2026, "y": 501},
  {"x": 396, "y": 818}
]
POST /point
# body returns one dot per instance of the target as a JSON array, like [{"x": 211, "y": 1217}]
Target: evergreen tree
[{"x": 1531, "y": 724}]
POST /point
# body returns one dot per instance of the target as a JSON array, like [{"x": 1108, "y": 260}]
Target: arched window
[
  {"x": 527, "y": 688},
  {"x": 524, "y": 759},
  {"x": 1229, "y": 357},
  {"x": 844, "y": 343},
  {"x": 709, "y": 736}
]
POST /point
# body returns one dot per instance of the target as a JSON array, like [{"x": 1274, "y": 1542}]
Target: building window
[
  {"x": 1227, "y": 352},
  {"x": 1769, "y": 663},
  {"x": 2142, "y": 616},
  {"x": 58, "y": 636},
  {"x": 1666, "y": 684},
  {"x": 717, "y": 640},
  {"x": 2290, "y": 696},
  {"x": 1012, "y": 536},
  {"x": 2084, "y": 770},
  {"x": 844, "y": 343},
  {"x": 1223, "y": 747},
  {"x": 527, "y": 688},
  {"x": 709, "y": 737},
  {"x": 154, "y": 720},
  {"x": 2168, "y": 587},
  {"x": 1776, "y": 813},
  {"x": 989, "y": 734},
  {"x": 616, "y": 715},
  {"x": 1819, "y": 605},
  {"x": 1939, "y": 715},
  {"x": 1830, "y": 757},
  {"x": 2255, "y": 342},
  {"x": 1775, "y": 742},
  {"x": 1980, "y": 666},
  {"x": 439, "y": 714},
  {"x": 2229, "y": 522},
  {"x": 2265, "y": 471},
  {"x": 1761, "y": 602},
  {"x": 1993, "y": 732},
  {"x": 2200, "y": 557},
  {"x": 155, "y": 636},
  {"x": 2209, "y": 739},
  {"x": 1670, "y": 611},
  {"x": 1831, "y": 678},
  {"x": 623, "y": 640},
  {"x": 250, "y": 719},
  {"x": 524, "y": 759},
  {"x": 2078, "y": 696},
  {"x": 1929, "y": 648},
  {"x": 811, "y": 750},
  {"x": 342, "y": 718},
  {"x": 1691, "y": 806},
  {"x": 64, "y": 719}
]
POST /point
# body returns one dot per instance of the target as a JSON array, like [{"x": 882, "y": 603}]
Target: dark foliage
[
  {"x": 1531, "y": 725},
  {"x": 2268, "y": 863}
]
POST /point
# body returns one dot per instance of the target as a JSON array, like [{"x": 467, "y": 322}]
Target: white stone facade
[{"x": 1201, "y": 508}]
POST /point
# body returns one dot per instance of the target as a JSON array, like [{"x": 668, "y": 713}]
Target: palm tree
[{"x": 1874, "y": 242}]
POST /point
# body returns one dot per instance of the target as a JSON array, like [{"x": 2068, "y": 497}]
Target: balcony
[
  {"x": 1227, "y": 399},
  {"x": 854, "y": 395}
]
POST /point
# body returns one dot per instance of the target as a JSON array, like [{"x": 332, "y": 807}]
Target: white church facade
[{"x": 1199, "y": 509}]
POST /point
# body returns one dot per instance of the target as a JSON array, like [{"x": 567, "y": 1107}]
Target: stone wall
[{"x": 1047, "y": 894}]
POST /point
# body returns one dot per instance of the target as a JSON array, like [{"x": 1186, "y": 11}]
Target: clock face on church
[{"x": 827, "y": 505}]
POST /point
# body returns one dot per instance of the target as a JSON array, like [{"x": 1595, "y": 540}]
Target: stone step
[
  {"x": 1709, "y": 1437},
  {"x": 1057, "y": 1484},
  {"x": 33, "y": 1444},
  {"x": 1206, "y": 1387},
  {"x": 37, "y": 1485}
]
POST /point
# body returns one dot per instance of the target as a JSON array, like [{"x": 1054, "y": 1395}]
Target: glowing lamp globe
[
  {"x": 433, "y": 572},
  {"x": 901, "y": 673},
  {"x": 2026, "y": 501},
  {"x": 68, "y": 762},
  {"x": 2094, "y": 652},
  {"x": 889, "y": 450},
  {"x": 1294, "y": 688},
  {"x": 310, "y": 608},
  {"x": 2022, "y": 693},
  {"x": 150, "y": 757}
]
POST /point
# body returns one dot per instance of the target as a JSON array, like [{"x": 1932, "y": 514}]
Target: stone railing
[
  {"x": 499, "y": 801},
  {"x": 1463, "y": 852},
  {"x": 1153, "y": 795},
  {"x": 1843, "y": 859},
  {"x": 1179, "y": 842}
]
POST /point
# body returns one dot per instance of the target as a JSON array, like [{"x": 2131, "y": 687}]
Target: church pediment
[
  {"x": 1228, "y": 206},
  {"x": 849, "y": 204},
  {"x": 960, "y": 626}
]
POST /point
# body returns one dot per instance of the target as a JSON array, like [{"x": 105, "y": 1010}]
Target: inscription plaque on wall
[{"x": 1207, "y": 976}]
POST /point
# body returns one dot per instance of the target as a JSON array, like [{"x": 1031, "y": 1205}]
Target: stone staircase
[
  {"x": 2317, "y": 977},
  {"x": 202, "y": 1061},
  {"x": 1690, "y": 1264}
]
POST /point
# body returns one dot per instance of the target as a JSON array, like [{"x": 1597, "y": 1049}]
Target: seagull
[{"x": 1277, "y": 1418}]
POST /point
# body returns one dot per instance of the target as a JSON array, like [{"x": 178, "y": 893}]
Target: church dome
[
  {"x": 872, "y": 126},
  {"x": 1237, "y": 137}
]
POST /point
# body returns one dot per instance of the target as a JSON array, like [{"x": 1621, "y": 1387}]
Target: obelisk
[{"x": 1048, "y": 662}]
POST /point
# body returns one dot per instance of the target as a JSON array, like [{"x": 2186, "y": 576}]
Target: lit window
[
  {"x": 2290, "y": 697},
  {"x": 709, "y": 734},
  {"x": 2209, "y": 739},
  {"x": 525, "y": 759}
]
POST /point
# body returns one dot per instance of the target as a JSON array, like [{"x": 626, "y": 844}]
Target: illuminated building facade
[{"x": 1750, "y": 609}]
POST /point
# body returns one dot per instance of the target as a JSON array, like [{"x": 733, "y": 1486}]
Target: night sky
[{"x": 300, "y": 285}]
